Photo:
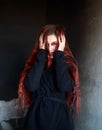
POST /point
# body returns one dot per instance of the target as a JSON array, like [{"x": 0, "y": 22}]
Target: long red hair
[{"x": 74, "y": 94}]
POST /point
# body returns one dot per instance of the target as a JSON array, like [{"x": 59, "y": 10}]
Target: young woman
[{"x": 49, "y": 83}]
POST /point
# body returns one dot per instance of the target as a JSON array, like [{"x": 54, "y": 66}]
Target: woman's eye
[{"x": 54, "y": 44}]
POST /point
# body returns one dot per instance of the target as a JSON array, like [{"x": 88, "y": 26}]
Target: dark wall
[
  {"x": 19, "y": 23},
  {"x": 67, "y": 13}
]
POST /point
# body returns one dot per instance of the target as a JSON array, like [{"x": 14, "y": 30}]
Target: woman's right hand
[{"x": 41, "y": 43}]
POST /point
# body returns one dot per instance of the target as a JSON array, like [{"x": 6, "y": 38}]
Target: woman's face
[{"x": 52, "y": 44}]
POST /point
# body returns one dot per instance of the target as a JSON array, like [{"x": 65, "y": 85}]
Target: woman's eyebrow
[{"x": 54, "y": 42}]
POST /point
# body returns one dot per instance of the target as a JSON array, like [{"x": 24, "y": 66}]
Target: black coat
[{"x": 49, "y": 88}]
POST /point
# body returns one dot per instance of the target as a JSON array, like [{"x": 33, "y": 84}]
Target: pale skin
[{"x": 53, "y": 39}]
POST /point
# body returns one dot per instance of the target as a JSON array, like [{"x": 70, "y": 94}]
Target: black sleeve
[
  {"x": 64, "y": 81},
  {"x": 32, "y": 80}
]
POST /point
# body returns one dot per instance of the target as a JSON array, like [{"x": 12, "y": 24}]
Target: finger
[
  {"x": 41, "y": 38},
  {"x": 59, "y": 39},
  {"x": 41, "y": 42},
  {"x": 63, "y": 38}
]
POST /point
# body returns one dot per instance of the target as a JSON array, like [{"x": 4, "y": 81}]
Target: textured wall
[
  {"x": 9, "y": 110},
  {"x": 90, "y": 65}
]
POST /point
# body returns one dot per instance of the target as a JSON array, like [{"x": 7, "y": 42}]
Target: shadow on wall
[{"x": 11, "y": 116}]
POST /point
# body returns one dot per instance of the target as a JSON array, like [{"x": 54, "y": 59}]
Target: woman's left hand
[
  {"x": 41, "y": 43},
  {"x": 61, "y": 40}
]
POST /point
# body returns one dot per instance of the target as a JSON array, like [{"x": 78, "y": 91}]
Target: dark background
[{"x": 19, "y": 24}]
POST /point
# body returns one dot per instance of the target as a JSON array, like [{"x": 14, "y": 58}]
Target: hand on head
[
  {"x": 41, "y": 43},
  {"x": 61, "y": 40}
]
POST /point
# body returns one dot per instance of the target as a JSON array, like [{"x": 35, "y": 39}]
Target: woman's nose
[{"x": 50, "y": 47}]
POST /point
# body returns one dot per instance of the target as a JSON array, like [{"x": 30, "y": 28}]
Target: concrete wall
[{"x": 89, "y": 54}]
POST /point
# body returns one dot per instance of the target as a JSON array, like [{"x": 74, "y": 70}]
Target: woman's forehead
[{"x": 51, "y": 38}]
